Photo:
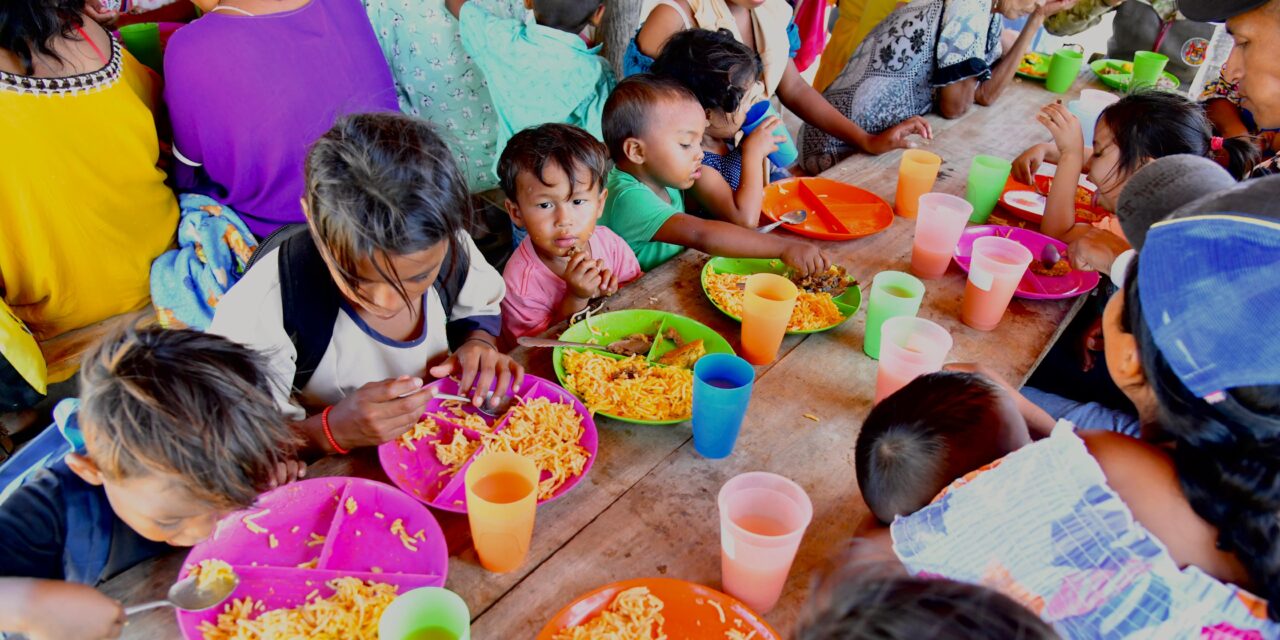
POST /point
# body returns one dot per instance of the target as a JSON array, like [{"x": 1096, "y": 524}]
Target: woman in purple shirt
[{"x": 253, "y": 83}]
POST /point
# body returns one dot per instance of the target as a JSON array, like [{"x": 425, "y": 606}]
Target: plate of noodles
[
  {"x": 824, "y": 303},
  {"x": 545, "y": 423},
  {"x": 317, "y": 558},
  {"x": 656, "y": 608},
  {"x": 643, "y": 371}
]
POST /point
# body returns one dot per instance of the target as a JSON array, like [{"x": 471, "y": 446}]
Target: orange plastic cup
[
  {"x": 997, "y": 267},
  {"x": 916, "y": 175},
  {"x": 766, "y": 311},
  {"x": 502, "y": 497}
]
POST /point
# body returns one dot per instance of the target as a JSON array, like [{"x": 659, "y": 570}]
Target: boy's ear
[
  {"x": 633, "y": 149},
  {"x": 513, "y": 210},
  {"x": 604, "y": 197},
  {"x": 82, "y": 466},
  {"x": 1129, "y": 372}
]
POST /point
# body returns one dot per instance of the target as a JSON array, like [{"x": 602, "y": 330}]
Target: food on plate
[
  {"x": 1123, "y": 68},
  {"x": 1029, "y": 63},
  {"x": 636, "y": 344},
  {"x": 351, "y": 612},
  {"x": 685, "y": 355},
  {"x": 425, "y": 428},
  {"x": 634, "y": 614},
  {"x": 456, "y": 452},
  {"x": 1060, "y": 268},
  {"x": 629, "y": 387},
  {"x": 211, "y": 572},
  {"x": 835, "y": 281},
  {"x": 548, "y": 433},
  {"x": 815, "y": 306}
]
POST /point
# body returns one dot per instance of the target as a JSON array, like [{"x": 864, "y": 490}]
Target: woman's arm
[
  {"x": 1225, "y": 117},
  {"x": 663, "y": 22},
  {"x": 955, "y": 99}
]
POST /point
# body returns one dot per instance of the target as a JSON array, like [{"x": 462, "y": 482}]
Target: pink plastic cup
[
  {"x": 997, "y": 267},
  {"x": 939, "y": 226},
  {"x": 909, "y": 347},
  {"x": 762, "y": 519}
]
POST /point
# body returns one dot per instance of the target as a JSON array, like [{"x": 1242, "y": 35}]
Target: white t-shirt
[{"x": 251, "y": 313}]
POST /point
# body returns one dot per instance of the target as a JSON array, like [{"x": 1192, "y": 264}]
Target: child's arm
[
  {"x": 1060, "y": 210},
  {"x": 1225, "y": 117},
  {"x": 1039, "y": 422},
  {"x": 800, "y": 97},
  {"x": 53, "y": 610},
  {"x": 723, "y": 239},
  {"x": 585, "y": 278},
  {"x": 1026, "y": 165},
  {"x": 741, "y": 207}
]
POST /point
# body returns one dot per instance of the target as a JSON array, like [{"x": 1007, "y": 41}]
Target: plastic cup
[
  {"x": 428, "y": 613},
  {"x": 143, "y": 41},
  {"x": 916, "y": 175},
  {"x": 1147, "y": 67},
  {"x": 910, "y": 347},
  {"x": 787, "y": 152},
  {"x": 1089, "y": 108},
  {"x": 987, "y": 177},
  {"x": 1064, "y": 66},
  {"x": 995, "y": 270},
  {"x": 762, "y": 519},
  {"x": 893, "y": 294},
  {"x": 938, "y": 229},
  {"x": 767, "y": 303},
  {"x": 722, "y": 385},
  {"x": 502, "y": 497}
]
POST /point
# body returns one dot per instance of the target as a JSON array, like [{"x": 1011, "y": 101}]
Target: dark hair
[
  {"x": 712, "y": 64},
  {"x": 873, "y": 601},
  {"x": 920, "y": 439},
  {"x": 384, "y": 183},
  {"x": 629, "y": 107},
  {"x": 565, "y": 146},
  {"x": 180, "y": 401},
  {"x": 1152, "y": 124},
  {"x": 1227, "y": 454},
  {"x": 566, "y": 15},
  {"x": 28, "y": 26}
]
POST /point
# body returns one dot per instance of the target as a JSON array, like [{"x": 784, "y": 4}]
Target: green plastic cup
[
  {"x": 1064, "y": 66},
  {"x": 1147, "y": 67},
  {"x": 429, "y": 613},
  {"x": 893, "y": 294},
  {"x": 143, "y": 41},
  {"x": 987, "y": 177}
]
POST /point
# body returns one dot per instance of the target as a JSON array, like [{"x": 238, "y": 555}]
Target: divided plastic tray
[{"x": 837, "y": 211}]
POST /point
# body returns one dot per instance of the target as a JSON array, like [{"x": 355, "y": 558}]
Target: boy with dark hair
[
  {"x": 919, "y": 440},
  {"x": 179, "y": 428},
  {"x": 553, "y": 176},
  {"x": 654, "y": 127}
]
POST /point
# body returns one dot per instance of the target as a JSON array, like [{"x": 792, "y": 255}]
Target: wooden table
[{"x": 648, "y": 506}]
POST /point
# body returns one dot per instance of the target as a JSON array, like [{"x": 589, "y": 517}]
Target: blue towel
[{"x": 214, "y": 247}]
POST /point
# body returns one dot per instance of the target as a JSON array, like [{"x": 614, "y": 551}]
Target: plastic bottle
[{"x": 1215, "y": 59}]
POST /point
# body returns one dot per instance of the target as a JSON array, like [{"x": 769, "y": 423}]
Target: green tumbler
[
  {"x": 1064, "y": 66},
  {"x": 987, "y": 177},
  {"x": 1147, "y": 67},
  {"x": 893, "y": 294},
  {"x": 428, "y": 613}
]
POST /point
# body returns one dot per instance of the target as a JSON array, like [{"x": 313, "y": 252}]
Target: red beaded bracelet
[{"x": 324, "y": 421}]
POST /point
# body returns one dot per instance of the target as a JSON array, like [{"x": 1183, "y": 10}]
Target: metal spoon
[
  {"x": 791, "y": 217},
  {"x": 186, "y": 596},
  {"x": 615, "y": 347},
  {"x": 484, "y": 408}
]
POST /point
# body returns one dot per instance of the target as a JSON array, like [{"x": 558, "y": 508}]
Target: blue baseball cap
[{"x": 1210, "y": 291}]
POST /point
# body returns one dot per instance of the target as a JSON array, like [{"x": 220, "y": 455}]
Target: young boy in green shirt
[{"x": 653, "y": 127}]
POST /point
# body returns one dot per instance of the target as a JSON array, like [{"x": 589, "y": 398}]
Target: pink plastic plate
[
  {"x": 422, "y": 476},
  {"x": 358, "y": 544},
  {"x": 1033, "y": 286}
]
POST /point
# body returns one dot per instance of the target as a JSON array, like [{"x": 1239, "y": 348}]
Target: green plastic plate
[
  {"x": 848, "y": 302},
  {"x": 1120, "y": 81},
  {"x": 1040, "y": 65},
  {"x": 616, "y": 325}
]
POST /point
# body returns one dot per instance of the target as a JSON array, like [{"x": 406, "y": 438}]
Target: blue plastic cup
[
  {"x": 721, "y": 390},
  {"x": 787, "y": 153}
]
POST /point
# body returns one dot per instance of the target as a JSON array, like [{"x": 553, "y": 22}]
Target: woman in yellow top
[
  {"x": 83, "y": 205},
  {"x": 855, "y": 20}
]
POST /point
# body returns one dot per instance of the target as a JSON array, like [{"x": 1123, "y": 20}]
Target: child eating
[
  {"x": 179, "y": 428},
  {"x": 553, "y": 177},
  {"x": 653, "y": 127},
  {"x": 722, "y": 73},
  {"x": 932, "y": 431}
]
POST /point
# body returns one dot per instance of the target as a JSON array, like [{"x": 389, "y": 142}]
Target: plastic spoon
[
  {"x": 186, "y": 596},
  {"x": 791, "y": 217}
]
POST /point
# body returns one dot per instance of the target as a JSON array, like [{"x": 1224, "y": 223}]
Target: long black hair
[
  {"x": 712, "y": 64},
  {"x": 1151, "y": 124},
  {"x": 28, "y": 26},
  {"x": 1227, "y": 455}
]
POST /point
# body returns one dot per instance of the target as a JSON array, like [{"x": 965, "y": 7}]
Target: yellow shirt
[
  {"x": 856, "y": 19},
  {"x": 83, "y": 206}
]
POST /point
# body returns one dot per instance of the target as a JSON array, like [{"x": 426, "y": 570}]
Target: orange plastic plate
[
  {"x": 686, "y": 608},
  {"x": 837, "y": 211}
]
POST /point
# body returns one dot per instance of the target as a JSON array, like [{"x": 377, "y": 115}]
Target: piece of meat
[{"x": 684, "y": 356}]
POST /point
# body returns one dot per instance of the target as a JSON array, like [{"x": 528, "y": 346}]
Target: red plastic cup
[
  {"x": 763, "y": 516},
  {"x": 997, "y": 267},
  {"x": 939, "y": 226},
  {"x": 909, "y": 347}
]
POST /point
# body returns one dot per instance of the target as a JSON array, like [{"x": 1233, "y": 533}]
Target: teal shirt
[
  {"x": 536, "y": 74},
  {"x": 636, "y": 213}
]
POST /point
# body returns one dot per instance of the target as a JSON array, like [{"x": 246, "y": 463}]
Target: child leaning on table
[
  {"x": 553, "y": 176},
  {"x": 653, "y": 127},
  {"x": 179, "y": 428}
]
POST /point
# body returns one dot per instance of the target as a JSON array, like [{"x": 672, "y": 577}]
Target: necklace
[{"x": 234, "y": 9}]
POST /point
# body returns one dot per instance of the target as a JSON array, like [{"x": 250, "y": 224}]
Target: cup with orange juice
[
  {"x": 763, "y": 516},
  {"x": 909, "y": 347},
  {"x": 767, "y": 303},
  {"x": 916, "y": 175},
  {"x": 939, "y": 225},
  {"x": 997, "y": 267},
  {"x": 502, "y": 496}
]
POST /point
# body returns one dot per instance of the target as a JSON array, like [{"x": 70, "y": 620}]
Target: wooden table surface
[{"x": 648, "y": 507}]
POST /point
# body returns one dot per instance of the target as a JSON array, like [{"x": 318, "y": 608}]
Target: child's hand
[
  {"x": 378, "y": 412},
  {"x": 583, "y": 276},
  {"x": 1065, "y": 127},
  {"x": 897, "y": 137},
  {"x": 762, "y": 142},
  {"x": 1026, "y": 165},
  {"x": 805, "y": 258},
  {"x": 608, "y": 282},
  {"x": 287, "y": 471},
  {"x": 478, "y": 363},
  {"x": 1096, "y": 250},
  {"x": 56, "y": 610}
]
